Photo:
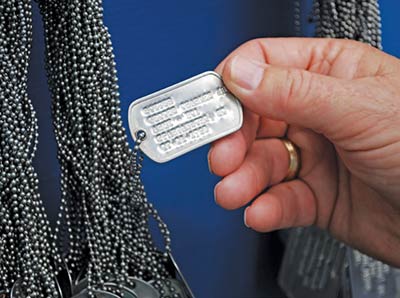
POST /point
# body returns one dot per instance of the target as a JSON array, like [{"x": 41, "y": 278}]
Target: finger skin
[
  {"x": 227, "y": 154},
  {"x": 266, "y": 164},
  {"x": 269, "y": 128},
  {"x": 295, "y": 96},
  {"x": 319, "y": 55},
  {"x": 289, "y": 204},
  {"x": 318, "y": 168},
  {"x": 342, "y": 98}
]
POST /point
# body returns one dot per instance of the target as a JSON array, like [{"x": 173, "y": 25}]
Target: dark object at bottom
[{"x": 173, "y": 287}]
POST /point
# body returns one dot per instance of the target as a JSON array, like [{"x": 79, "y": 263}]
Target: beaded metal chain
[
  {"x": 351, "y": 19},
  {"x": 26, "y": 242},
  {"x": 103, "y": 224},
  {"x": 104, "y": 210}
]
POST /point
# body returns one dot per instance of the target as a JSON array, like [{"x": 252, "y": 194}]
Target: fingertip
[
  {"x": 229, "y": 195},
  {"x": 209, "y": 160},
  {"x": 215, "y": 193},
  {"x": 226, "y": 73},
  {"x": 289, "y": 204},
  {"x": 245, "y": 217},
  {"x": 227, "y": 154},
  {"x": 245, "y": 78},
  {"x": 220, "y": 68},
  {"x": 225, "y": 70},
  {"x": 243, "y": 74},
  {"x": 265, "y": 214}
]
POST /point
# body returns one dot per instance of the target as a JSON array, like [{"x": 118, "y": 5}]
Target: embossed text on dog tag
[{"x": 185, "y": 116}]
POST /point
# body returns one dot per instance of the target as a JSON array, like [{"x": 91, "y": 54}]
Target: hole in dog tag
[{"x": 185, "y": 116}]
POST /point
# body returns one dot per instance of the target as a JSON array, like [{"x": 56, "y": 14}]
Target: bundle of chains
[
  {"x": 26, "y": 244},
  {"x": 350, "y": 19},
  {"x": 103, "y": 224}
]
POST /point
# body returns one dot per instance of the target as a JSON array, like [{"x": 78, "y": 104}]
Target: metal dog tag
[{"x": 185, "y": 116}]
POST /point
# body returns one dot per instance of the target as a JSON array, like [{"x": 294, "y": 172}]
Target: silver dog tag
[{"x": 185, "y": 116}]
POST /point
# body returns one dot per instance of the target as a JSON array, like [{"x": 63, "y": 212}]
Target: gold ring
[{"x": 294, "y": 160}]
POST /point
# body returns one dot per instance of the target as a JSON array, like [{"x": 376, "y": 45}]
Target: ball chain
[
  {"x": 25, "y": 237},
  {"x": 101, "y": 185},
  {"x": 350, "y": 19},
  {"x": 103, "y": 224}
]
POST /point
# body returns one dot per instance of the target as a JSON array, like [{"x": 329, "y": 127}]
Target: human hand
[{"x": 339, "y": 102}]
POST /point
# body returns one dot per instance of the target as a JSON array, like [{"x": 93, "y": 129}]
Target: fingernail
[
  {"x": 209, "y": 161},
  {"x": 246, "y": 73},
  {"x": 245, "y": 217},
  {"x": 215, "y": 193}
]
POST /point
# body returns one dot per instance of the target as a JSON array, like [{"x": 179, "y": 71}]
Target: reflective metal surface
[
  {"x": 143, "y": 289},
  {"x": 180, "y": 276},
  {"x": 127, "y": 292},
  {"x": 81, "y": 275},
  {"x": 185, "y": 116},
  {"x": 65, "y": 282},
  {"x": 80, "y": 286},
  {"x": 175, "y": 287},
  {"x": 97, "y": 293},
  {"x": 58, "y": 288},
  {"x": 16, "y": 291}
]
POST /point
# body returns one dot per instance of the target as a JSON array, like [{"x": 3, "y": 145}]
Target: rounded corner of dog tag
[
  {"x": 185, "y": 116},
  {"x": 133, "y": 125},
  {"x": 212, "y": 73}
]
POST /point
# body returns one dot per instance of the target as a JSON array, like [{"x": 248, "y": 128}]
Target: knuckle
[
  {"x": 350, "y": 43},
  {"x": 347, "y": 44},
  {"x": 298, "y": 86},
  {"x": 253, "y": 44}
]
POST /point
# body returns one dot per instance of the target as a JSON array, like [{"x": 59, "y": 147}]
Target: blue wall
[
  {"x": 158, "y": 43},
  {"x": 390, "y": 26}
]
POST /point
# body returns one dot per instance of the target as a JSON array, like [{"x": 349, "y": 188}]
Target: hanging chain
[
  {"x": 104, "y": 206},
  {"x": 350, "y": 19},
  {"x": 103, "y": 224},
  {"x": 26, "y": 242}
]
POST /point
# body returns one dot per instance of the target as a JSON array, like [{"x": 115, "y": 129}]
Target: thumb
[{"x": 292, "y": 95}]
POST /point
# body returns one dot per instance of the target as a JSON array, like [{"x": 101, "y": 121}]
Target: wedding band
[{"x": 294, "y": 160}]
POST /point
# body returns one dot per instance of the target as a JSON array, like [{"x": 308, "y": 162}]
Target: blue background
[{"x": 158, "y": 43}]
